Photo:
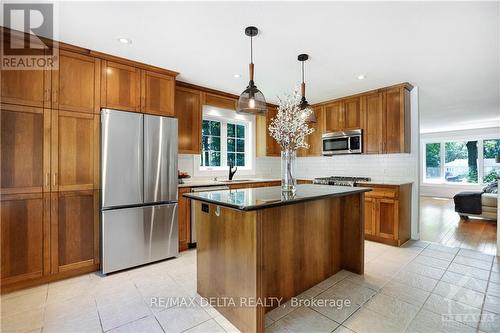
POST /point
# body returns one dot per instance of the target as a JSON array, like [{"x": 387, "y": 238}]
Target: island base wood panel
[{"x": 275, "y": 252}]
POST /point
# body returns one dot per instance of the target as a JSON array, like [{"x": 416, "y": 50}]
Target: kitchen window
[{"x": 226, "y": 138}]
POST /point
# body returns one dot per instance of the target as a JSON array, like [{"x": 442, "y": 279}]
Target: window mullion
[
  {"x": 223, "y": 144},
  {"x": 480, "y": 161},
  {"x": 442, "y": 161}
]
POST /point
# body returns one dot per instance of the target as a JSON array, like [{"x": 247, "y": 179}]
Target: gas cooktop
[{"x": 340, "y": 180}]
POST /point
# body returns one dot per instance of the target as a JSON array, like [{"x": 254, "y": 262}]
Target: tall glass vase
[{"x": 288, "y": 168}]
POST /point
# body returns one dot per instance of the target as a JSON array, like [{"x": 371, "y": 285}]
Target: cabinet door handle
[
  {"x": 54, "y": 179},
  {"x": 47, "y": 179},
  {"x": 54, "y": 96}
]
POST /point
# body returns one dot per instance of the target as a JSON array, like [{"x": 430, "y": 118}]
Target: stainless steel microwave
[{"x": 337, "y": 143}]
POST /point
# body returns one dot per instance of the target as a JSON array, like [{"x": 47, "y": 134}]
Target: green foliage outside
[{"x": 432, "y": 157}]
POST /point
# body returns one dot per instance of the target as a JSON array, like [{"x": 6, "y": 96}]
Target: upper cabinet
[
  {"x": 383, "y": 115},
  {"x": 121, "y": 87},
  {"x": 343, "y": 115},
  {"x": 76, "y": 84},
  {"x": 188, "y": 112},
  {"x": 386, "y": 120},
  {"x": 352, "y": 113},
  {"x": 157, "y": 94},
  {"x": 265, "y": 143},
  {"x": 222, "y": 102},
  {"x": 397, "y": 132},
  {"x": 314, "y": 139},
  {"x": 373, "y": 111},
  {"x": 334, "y": 117},
  {"x": 128, "y": 88}
]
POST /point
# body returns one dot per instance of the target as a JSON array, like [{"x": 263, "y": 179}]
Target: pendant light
[
  {"x": 251, "y": 100},
  {"x": 303, "y": 102}
]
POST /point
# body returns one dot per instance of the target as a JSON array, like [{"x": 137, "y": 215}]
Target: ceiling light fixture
[
  {"x": 361, "y": 77},
  {"x": 124, "y": 40},
  {"x": 303, "y": 102},
  {"x": 252, "y": 100},
  {"x": 236, "y": 76}
]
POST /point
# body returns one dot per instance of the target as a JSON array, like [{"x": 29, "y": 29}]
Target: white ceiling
[{"x": 449, "y": 50}]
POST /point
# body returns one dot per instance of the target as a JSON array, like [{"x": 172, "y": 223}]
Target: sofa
[{"x": 488, "y": 203}]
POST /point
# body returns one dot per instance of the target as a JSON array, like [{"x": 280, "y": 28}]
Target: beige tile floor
[{"x": 421, "y": 287}]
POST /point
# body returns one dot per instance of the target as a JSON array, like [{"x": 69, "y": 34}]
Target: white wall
[{"x": 449, "y": 190}]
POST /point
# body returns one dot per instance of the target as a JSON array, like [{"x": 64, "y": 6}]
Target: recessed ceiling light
[
  {"x": 361, "y": 77},
  {"x": 236, "y": 76},
  {"x": 124, "y": 40}
]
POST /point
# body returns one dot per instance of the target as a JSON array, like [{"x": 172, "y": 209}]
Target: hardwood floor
[{"x": 440, "y": 223}]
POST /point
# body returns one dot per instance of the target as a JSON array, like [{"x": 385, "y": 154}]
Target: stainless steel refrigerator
[{"x": 139, "y": 189}]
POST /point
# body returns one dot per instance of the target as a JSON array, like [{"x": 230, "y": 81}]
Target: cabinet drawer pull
[{"x": 54, "y": 179}]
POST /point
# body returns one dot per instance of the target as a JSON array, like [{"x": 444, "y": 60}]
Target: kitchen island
[{"x": 258, "y": 248}]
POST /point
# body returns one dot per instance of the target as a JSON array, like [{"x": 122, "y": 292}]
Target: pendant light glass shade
[
  {"x": 303, "y": 102},
  {"x": 252, "y": 100}
]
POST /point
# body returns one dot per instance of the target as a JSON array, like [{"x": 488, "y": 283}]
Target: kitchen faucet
[{"x": 231, "y": 172}]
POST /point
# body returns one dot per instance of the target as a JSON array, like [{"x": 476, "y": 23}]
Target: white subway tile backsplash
[{"x": 394, "y": 167}]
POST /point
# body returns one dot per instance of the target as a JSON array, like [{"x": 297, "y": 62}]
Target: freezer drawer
[
  {"x": 160, "y": 159},
  {"x": 139, "y": 235},
  {"x": 122, "y": 158}
]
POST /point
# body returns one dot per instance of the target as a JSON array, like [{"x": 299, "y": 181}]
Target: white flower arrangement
[{"x": 289, "y": 128}]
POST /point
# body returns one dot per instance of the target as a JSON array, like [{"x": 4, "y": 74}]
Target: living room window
[
  {"x": 491, "y": 149},
  {"x": 460, "y": 162},
  {"x": 470, "y": 161}
]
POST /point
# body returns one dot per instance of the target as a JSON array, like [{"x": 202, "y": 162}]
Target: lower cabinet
[
  {"x": 184, "y": 218},
  {"x": 74, "y": 230},
  {"x": 48, "y": 236},
  {"x": 388, "y": 213},
  {"x": 25, "y": 226}
]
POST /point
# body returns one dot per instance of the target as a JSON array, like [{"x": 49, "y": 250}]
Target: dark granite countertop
[{"x": 263, "y": 197}]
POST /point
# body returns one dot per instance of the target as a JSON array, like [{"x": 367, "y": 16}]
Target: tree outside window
[
  {"x": 461, "y": 162},
  {"x": 491, "y": 148},
  {"x": 433, "y": 161}
]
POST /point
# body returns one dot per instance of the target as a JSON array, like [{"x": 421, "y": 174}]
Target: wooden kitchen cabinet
[
  {"x": 75, "y": 151},
  {"x": 25, "y": 149},
  {"x": 188, "y": 109},
  {"x": 184, "y": 218},
  {"x": 76, "y": 84},
  {"x": 314, "y": 139},
  {"x": 334, "y": 117},
  {"x": 264, "y": 142},
  {"x": 129, "y": 88},
  {"x": 351, "y": 109},
  {"x": 121, "y": 87},
  {"x": 370, "y": 214},
  {"x": 25, "y": 226},
  {"x": 223, "y": 102},
  {"x": 397, "y": 133},
  {"x": 373, "y": 112},
  {"x": 25, "y": 87},
  {"x": 74, "y": 230},
  {"x": 158, "y": 94},
  {"x": 342, "y": 115},
  {"x": 388, "y": 213}
]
